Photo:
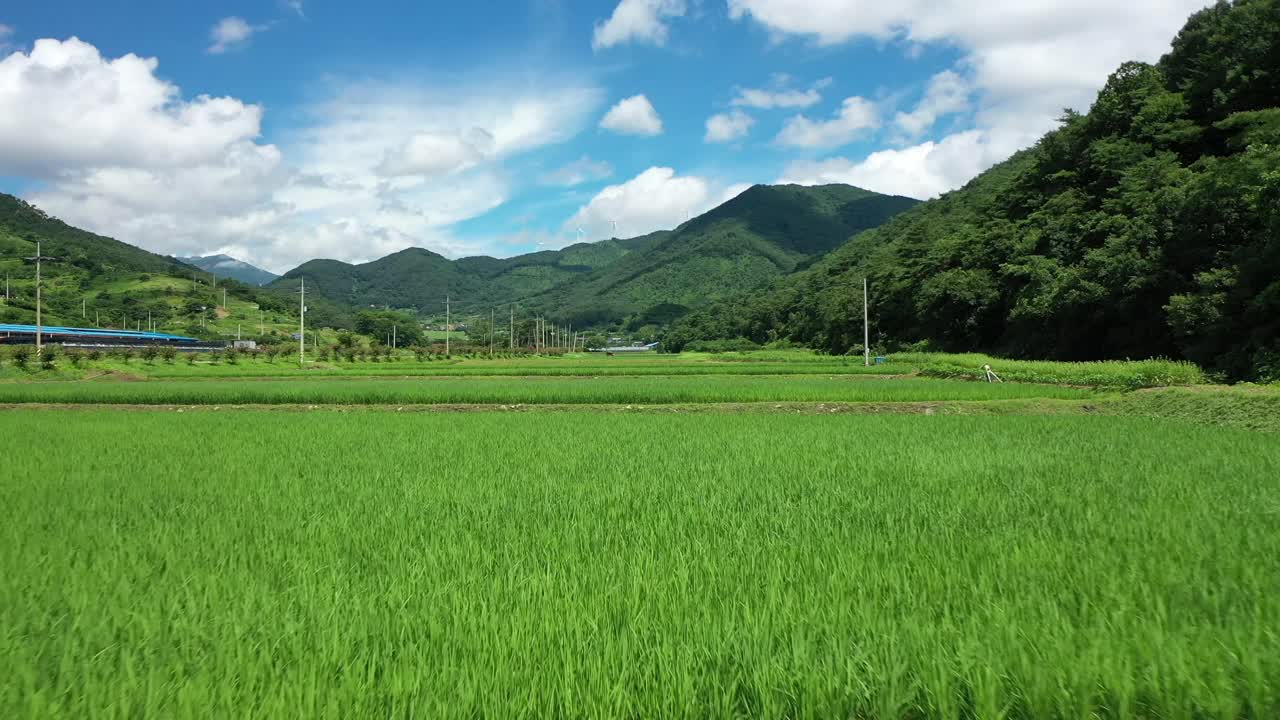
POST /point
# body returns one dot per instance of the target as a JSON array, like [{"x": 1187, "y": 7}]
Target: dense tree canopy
[{"x": 1149, "y": 226}]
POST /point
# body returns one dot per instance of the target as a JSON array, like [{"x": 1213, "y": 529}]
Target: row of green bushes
[{"x": 1121, "y": 374}]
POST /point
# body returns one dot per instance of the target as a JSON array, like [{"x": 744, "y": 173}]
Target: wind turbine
[
  {"x": 615, "y": 227},
  {"x": 581, "y": 232}
]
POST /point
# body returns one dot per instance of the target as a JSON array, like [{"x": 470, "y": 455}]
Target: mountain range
[
  {"x": 764, "y": 233},
  {"x": 1148, "y": 226},
  {"x": 224, "y": 266},
  {"x": 760, "y": 235}
]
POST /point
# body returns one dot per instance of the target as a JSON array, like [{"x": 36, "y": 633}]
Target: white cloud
[
  {"x": 68, "y": 109},
  {"x": 947, "y": 93},
  {"x": 580, "y": 171},
  {"x": 296, "y": 6},
  {"x": 922, "y": 171},
  {"x": 856, "y": 115},
  {"x": 1025, "y": 61},
  {"x": 122, "y": 153},
  {"x": 642, "y": 21},
  {"x": 633, "y": 116},
  {"x": 6, "y": 32},
  {"x": 769, "y": 99},
  {"x": 438, "y": 153},
  {"x": 231, "y": 33},
  {"x": 727, "y": 127},
  {"x": 656, "y": 199}
]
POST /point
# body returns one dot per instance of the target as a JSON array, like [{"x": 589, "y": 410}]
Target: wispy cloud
[
  {"x": 641, "y": 21},
  {"x": 232, "y": 33},
  {"x": 580, "y": 171}
]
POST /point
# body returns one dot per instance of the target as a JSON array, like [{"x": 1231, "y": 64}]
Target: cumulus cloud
[
  {"x": 727, "y": 127},
  {"x": 231, "y": 33},
  {"x": 633, "y": 116},
  {"x": 67, "y": 108},
  {"x": 580, "y": 171},
  {"x": 921, "y": 171},
  {"x": 656, "y": 199},
  {"x": 122, "y": 152},
  {"x": 641, "y": 21},
  {"x": 1024, "y": 60},
  {"x": 947, "y": 93},
  {"x": 856, "y": 115}
]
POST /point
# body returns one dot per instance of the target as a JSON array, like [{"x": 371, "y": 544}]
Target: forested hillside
[
  {"x": 96, "y": 279},
  {"x": 419, "y": 279},
  {"x": 1149, "y": 226},
  {"x": 749, "y": 241},
  {"x": 743, "y": 244}
]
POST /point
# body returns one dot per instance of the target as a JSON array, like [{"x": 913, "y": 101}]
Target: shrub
[
  {"x": 192, "y": 357},
  {"x": 21, "y": 356},
  {"x": 48, "y": 357},
  {"x": 95, "y": 355},
  {"x": 149, "y": 354},
  {"x": 169, "y": 353}
]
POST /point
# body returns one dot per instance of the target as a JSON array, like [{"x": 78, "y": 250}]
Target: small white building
[{"x": 245, "y": 344}]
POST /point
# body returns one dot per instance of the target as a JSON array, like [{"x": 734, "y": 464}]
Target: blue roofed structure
[{"x": 22, "y": 334}]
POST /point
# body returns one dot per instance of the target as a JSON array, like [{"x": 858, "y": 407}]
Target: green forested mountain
[
  {"x": 420, "y": 279},
  {"x": 1149, "y": 226},
  {"x": 762, "y": 234}
]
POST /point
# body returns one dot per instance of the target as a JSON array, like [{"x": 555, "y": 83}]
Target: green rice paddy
[
  {"x": 578, "y": 565},
  {"x": 1098, "y": 554}
]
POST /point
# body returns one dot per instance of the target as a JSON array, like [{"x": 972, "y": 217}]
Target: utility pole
[
  {"x": 224, "y": 298},
  {"x": 302, "y": 324},
  {"x": 38, "y": 259},
  {"x": 512, "y": 339},
  {"x": 84, "y": 308},
  {"x": 491, "y": 332},
  {"x": 393, "y": 337},
  {"x": 96, "y": 320},
  {"x": 446, "y": 326},
  {"x": 6, "y": 287},
  {"x": 866, "y": 326}
]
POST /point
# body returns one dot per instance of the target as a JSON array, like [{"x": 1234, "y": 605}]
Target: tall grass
[
  {"x": 611, "y": 390},
  {"x": 385, "y": 565},
  {"x": 545, "y": 368},
  {"x": 1122, "y": 374}
]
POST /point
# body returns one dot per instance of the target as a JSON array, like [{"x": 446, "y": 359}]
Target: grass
[
  {"x": 523, "y": 368},
  {"x": 377, "y": 565},
  {"x": 505, "y": 390},
  {"x": 1247, "y": 406},
  {"x": 1119, "y": 374}
]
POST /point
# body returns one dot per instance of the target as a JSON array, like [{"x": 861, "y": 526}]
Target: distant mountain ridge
[
  {"x": 763, "y": 233},
  {"x": 225, "y": 266}
]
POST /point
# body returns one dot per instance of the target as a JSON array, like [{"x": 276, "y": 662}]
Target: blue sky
[{"x": 281, "y": 131}]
